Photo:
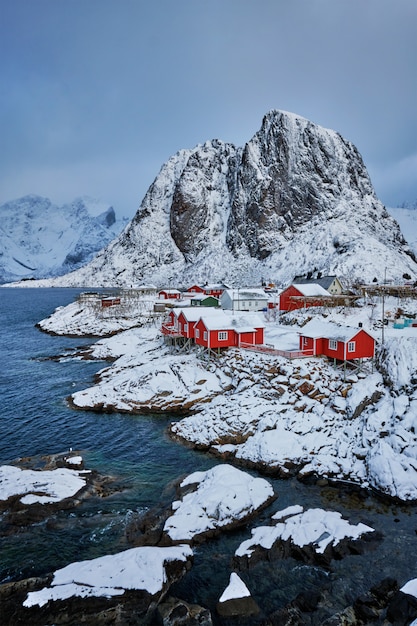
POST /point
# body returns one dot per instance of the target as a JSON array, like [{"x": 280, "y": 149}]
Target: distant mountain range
[
  {"x": 406, "y": 216},
  {"x": 40, "y": 239},
  {"x": 295, "y": 199}
]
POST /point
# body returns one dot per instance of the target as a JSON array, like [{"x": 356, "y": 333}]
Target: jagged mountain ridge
[
  {"x": 296, "y": 198},
  {"x": 39, "y": 238}
]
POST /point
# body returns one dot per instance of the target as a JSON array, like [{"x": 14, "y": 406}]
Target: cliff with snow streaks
[
  {"x": 39, "y": 238},
  {"x": 296, "y": 198}
]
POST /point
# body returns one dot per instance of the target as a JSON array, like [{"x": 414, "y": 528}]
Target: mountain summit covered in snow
[
  {"x": 39, "y": 238},
  {"x": 296, "y": 198}
]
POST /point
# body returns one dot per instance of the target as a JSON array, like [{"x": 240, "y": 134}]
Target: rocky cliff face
[{"x": 296, "y": 198}]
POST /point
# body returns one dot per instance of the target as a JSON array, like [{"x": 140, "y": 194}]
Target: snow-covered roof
[
  {"x": 323, "y": 281},
  {"x": 311, "y": 289},
  {"x": 191, "y": 314},
  {"x": 247, "y": 293},
  {"x": 202, "y": 296},
  {"x": 317, "y": 329},
  {"x": 241, "y": 321}
]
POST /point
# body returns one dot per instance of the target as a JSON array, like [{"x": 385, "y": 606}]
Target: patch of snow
[
  {"x": 222, "y": 496},
  {"x": 42, "y": 487},
  {"x": 235, "y": 589},
  {"x": 138, "y": 568},
  {"x": 314, "y": 527}
]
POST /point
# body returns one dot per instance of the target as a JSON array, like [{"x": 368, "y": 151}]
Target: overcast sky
[{"x": 97, "y": 94}]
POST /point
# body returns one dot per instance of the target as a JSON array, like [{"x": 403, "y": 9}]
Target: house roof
[
  {"x": 323, "y": 281},
  {"x": 241, "y": 322},
  {"x": 246, "y": 293},
  {"x": 317, "y": 329},
  {"x": 204, "y": 296},
  {"x": 191, "y": 314},
  {"x": 169, "y": 291},
  {"x": 311, "y": 289}
]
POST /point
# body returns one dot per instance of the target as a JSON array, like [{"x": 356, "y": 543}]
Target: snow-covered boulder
[
  {"x": 312, "y": 535},
  {"x": 219, "y": 498}
]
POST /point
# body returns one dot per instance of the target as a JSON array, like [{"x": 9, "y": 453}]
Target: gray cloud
[{"x": 97, "y": 95}]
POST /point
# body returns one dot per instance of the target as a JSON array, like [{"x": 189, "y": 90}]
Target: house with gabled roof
[
  {"x": 244, "y": 299},
  {"x": 219, "y": 329},
  {"x": 201, "y": 299},
  {"x": 209, "y": 289},
  {"x": 331, "y": 284},
  {"x": 301, "y": 296},
  {"x": 169, "y": 294},
  {"x": 342, "y": 343}
]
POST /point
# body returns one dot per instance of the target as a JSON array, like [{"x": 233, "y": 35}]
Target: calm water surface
[{"x": 36, "y": 419}]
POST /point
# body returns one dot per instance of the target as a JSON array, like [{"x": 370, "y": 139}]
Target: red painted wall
[
  {"x": 364, "y": 348},
  {"x": 286, "y": 304}
]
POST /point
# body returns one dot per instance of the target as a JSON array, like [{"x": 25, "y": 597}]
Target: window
[
  {"x": 351, "y": 346},
  {"x": 186, "y": 328},
  {"x": 197, "y": 333},
  {"x": 205, "y": 335},
  {"x": 332, "y": 344},
  {"x": 222, "y": 335}
]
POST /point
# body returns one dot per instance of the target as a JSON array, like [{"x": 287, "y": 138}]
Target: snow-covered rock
[
  {"x": 221, "y": 497},
  {"x": 296, "y": 198},
  {"x": 44, "y": 487},
  {"x": 315, "y": 528},
  {"x": 141, "y": 568}
]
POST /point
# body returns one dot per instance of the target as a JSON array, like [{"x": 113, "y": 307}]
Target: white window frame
[
  {"x": 351, "y": 346},
  {"x": 332, "y": 344},
  {"x": 205, "y": 335},
  {"x": 222, "y": 335},
  {"x": 186, "y": 328},
  {"x": 197, "y": 333}
]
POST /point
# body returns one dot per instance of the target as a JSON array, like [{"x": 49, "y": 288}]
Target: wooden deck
[
  {"x": 288, "y": 354},
  {"x": 170, "y": 331}
]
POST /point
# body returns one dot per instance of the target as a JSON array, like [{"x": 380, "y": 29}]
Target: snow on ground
[
  {"x": 44, "y": 487},
  {"x": 138, "y": 568},
  {"x": 90, "y": 318},
  {"x": 223, "y": 495},
  {"x": 147, "y": 376},
  {"x": 300, "y": 415},
  {"x": 314, "y": 527}
]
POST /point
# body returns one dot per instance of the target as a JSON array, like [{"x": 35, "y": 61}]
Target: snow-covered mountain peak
[
  {"x": 296, "y": 198},
  {"x": 39, "y": 238}
]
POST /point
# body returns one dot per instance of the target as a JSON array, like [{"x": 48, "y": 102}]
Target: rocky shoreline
[{"x": 354, "y": 430}]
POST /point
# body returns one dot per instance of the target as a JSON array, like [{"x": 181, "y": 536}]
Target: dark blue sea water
[{"x": 35, "y": 419}]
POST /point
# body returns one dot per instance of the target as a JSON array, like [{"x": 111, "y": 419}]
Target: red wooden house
[
  {"x": 214, "y": 290},
  {"x": 217, "y": 330},
  {"x": 110, "y": 301},
  {"x": 187, "y": 319},
  {"x": 169, "y": 294},
  {"x": 302, "y": 296},
  {"x": 342, "y": 343},
  {"x": 196, "y": 289}
]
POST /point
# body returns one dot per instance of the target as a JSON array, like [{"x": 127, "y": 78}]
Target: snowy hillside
[
  {"x": 38, "y": 238},
  {"x": 295, "y": 199},
  {"x": 406, "y": 216}
]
